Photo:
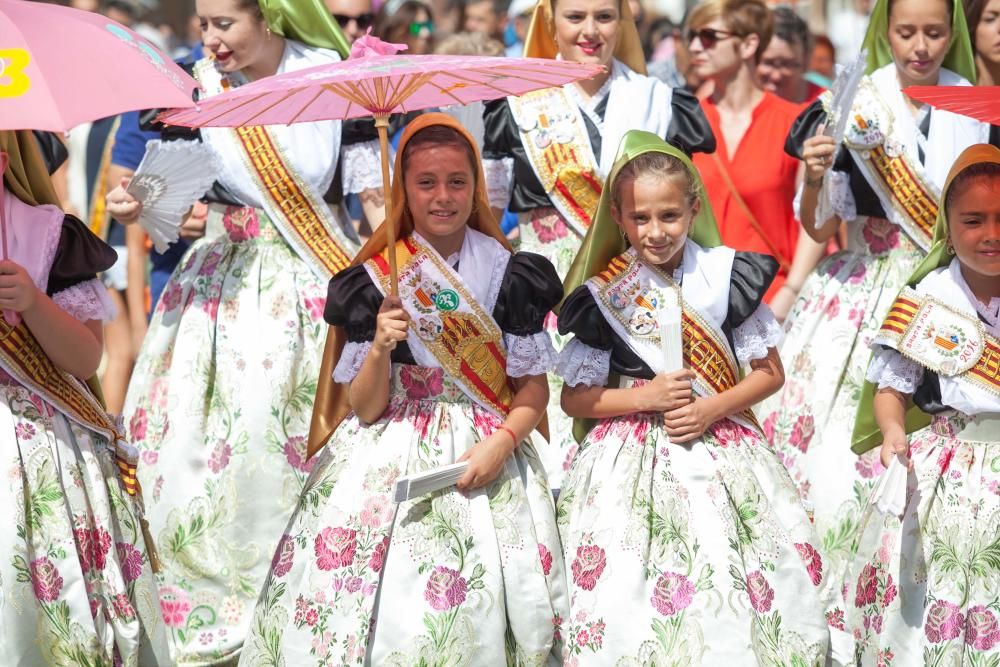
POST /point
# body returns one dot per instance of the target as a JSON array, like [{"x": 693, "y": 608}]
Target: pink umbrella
[
  {"x": 377, "y": 82},
  {"x": 60, "y": 67}
]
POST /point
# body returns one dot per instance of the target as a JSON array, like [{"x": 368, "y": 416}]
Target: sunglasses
[
  {"x": 364, "y": 20},
  {"x": 418, "y": 27},
  {"x": 708, "y": 37}
]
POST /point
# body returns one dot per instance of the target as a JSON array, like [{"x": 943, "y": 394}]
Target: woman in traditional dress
[
  {"x": 220, "y": 401},
  {"x": 684, "y": 535},
  {"x": 451, "y": 370},
  {"x": 546, "y": 153},
  {"x": 984, "y": 25},
  {"x": 885, "y": 183},
  {"x": 923, "y": 588},
  {"x": 76, "y": 585}
]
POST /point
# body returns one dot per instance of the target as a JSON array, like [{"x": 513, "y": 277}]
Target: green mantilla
[{"x": 306, "y": 21}]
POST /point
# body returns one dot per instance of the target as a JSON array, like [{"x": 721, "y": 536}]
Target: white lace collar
[{"x": 989, "y": 312}]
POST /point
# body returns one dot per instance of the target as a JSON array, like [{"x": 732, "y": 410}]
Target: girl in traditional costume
[
  {"x": 222, "y": 393},
  {"x": 923, "y": 588},
  {"x": 546, "y": 153},
  {"x": 451, "y": 370},
  {"x": 885, "y": 183},
  {"x": 683, "y": 533},
  {"x": 76, "y": 585}
]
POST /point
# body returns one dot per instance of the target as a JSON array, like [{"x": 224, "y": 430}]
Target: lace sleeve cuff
[
  {"x": 529, "y": 355},
  {"x": 85, "y": 301},
  {"x": 758, "y": 332},
  {"x": 350, "y": 361},
  {"x": 579, "y": 363},
  {"x": 499, "y": 180},
  {"x": 837, "y": 198},
  {"x": 891, "y": 369},
  {"x": 361, "y": 167}
]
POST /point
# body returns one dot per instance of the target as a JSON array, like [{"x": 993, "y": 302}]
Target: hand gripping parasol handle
[{"x": 382, "y": 125}]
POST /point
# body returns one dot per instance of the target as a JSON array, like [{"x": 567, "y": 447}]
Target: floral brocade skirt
[
  {"x": 442, "y": 579},
  {"x": 825, "y": 354},
  {"x": 219, "y": 408},
  {"x": 925, "y": 585},
  {"x": 544, "y": 231},
  {"x": 76, "y": 587},
  {"x": 694, "y": 554}
]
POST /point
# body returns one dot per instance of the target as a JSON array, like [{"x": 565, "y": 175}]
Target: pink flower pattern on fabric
[
  {"x": 673, "y": 593},
  {"x": 335, "y": 548},
  {"x": 45, "y": 579},
  {"x": 446, "y": 588},
  {"x": 588, "y": 566},
  {"x": 761, "y": 593},
  {"x": 944, "y": 621}
]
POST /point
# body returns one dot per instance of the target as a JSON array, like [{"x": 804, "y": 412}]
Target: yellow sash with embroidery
[
  {"x": 943, "y": 340},
  {"x": 303, "y": 218},
  {"x": 98, "y": 217},
  {"x": 448, "y": 321},
  {"x": 24, "y": 359},
  {"x": 557, "y": 146},
  {"x": 705, "y": 349}
]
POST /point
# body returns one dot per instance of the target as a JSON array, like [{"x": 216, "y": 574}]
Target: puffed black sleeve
[
  {"x": 352, "y": 302},
  {"x": 54, "y": 151},
  {"x": 581, "y": 316},
  {"x": 752, "y": 274},
  {"x": 804, "y": 127},
  {"x": 530, "y": 289},
  {"x": 689, "y": 128},
  {"x": 79, "y": 257},
  {"x": 500, "y": 135}
]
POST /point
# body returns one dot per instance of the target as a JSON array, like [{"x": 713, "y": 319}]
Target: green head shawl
[
  {"x": 306, "y": 21},
  {"x": 960, "y": 58},
  {"x": 866, "y": 432},
  {"x": 604, "y": 240}
]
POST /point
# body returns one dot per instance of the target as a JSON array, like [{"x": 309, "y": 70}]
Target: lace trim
[
  {"x": 529, "y": 355},
  {"x": 759, "y": 332},
  {"x": 361, "y": 167},
  {"x": 350, "y": 361},
  {"x": 86, "y": 301},
  {"x": 579, "y": 363},
  {"x": 839, "y": 196},
  {"x": 891, "y": 369},
  {"x": 496, "y": 281},
  {"x": 499, "y": 180},
  {"x": 990, "y": 312}
]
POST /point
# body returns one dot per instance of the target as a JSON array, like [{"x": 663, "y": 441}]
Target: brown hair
[
  {"x": 660, "y": 165},
  {"x": 973, "y": 15},
  {"x": 438, "y": 135},
  {"x": 394, "y": 26},
  {"x": 742, "y": 17},
  {"x": 251, "y": 6},
  {"x": 977, "y": 171}
]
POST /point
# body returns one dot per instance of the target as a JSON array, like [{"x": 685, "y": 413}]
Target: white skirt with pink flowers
[
  {"x": 925, "y": 586},
  {"x": 696, "y": 554},
  {"x": 442, "y": 579}
]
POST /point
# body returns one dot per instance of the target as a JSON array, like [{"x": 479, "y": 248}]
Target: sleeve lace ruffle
[
  {"x": 529, "y": 355},
  {"x": 85, "y": 301},
  {"x": 499, "y": 174},
  {"x": 361, "y": 166},
  {"x": 838, "y": 198},
  {"x": 350, "y": 361},
  {"x": 756, "y": 334},
  {"x": 891, "y": 369},
  {"x": 580, "y": 364}
]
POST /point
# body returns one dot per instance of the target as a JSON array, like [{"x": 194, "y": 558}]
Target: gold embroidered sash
[
  {"x": 448, "y": 321},
  {"x": 621, "y": 294},
  {"x": 557, "y": 146},
  {"x": 943, "y": 340},
  {"x": 299, "y": 213},
  {"x": 24, "y": 359}
]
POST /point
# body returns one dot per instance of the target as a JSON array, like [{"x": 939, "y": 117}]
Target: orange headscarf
[{"x": 331, "y": 406}]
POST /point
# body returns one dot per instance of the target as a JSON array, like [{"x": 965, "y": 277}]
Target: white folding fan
[{"x": 172, "y": 176}]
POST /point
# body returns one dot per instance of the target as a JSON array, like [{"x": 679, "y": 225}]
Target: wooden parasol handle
[{"x": 382, "y": 125}]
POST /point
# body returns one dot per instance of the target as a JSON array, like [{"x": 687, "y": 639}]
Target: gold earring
[{"x": 949, "y": 248}]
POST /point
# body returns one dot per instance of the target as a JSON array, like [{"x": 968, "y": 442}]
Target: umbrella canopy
[
  {"x": 377, "y": 85},
  {"x": 60, "y": 67},
  {"x": 979, "y": 102}
]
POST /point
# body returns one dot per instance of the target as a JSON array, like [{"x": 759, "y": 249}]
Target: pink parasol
[
  {"x": 979, "y": 102},
  {"x": 377, "y": 82},
  {"x": 60, "y": 67}
]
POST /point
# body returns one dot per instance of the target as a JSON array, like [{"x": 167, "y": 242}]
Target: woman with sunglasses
[
  {"x": 546, "y": 153},
  {"x": 353, "y": 16},
  {"x": 409, "y": 22},
  {"x": 750, "y": 180},
  {"x": 885, "y": 182}
]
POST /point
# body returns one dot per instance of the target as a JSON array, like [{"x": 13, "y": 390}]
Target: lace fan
[
  {"x": 844, "y": 88},
  {"x": 170, "y": 178}
]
